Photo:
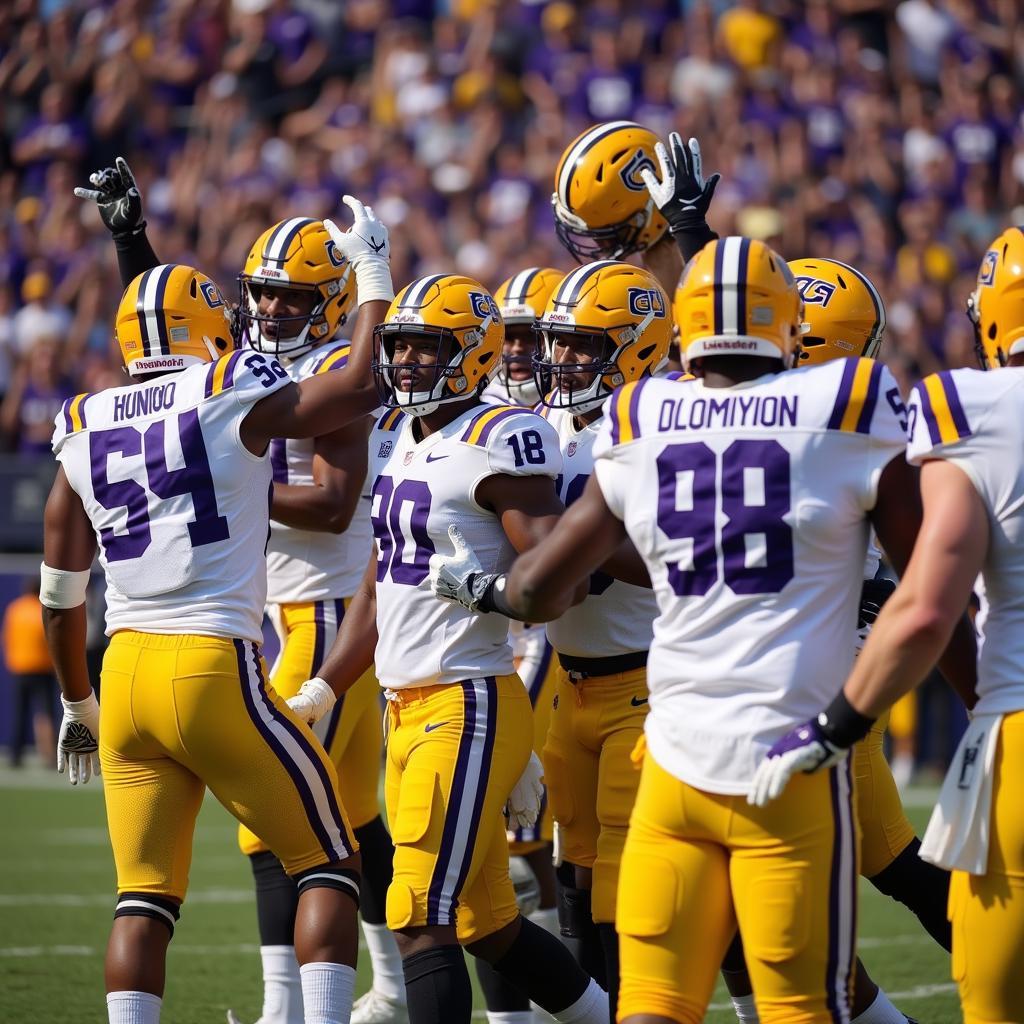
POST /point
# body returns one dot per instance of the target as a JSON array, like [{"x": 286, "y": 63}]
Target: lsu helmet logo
[
  {"x": 630, "y": 174},
  {"x": 987, "y": 272},
  {"x": 210, "y": 293},
  {"x": 646, "y": 300},
  {"x": 814, "y": 291},
  {"x": 484, "y": 306},
  {"x": 333, "y": 255}
]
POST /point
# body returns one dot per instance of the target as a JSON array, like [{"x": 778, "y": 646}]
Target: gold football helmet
[
  {"x": 996, "y": 306},
  {"x": 295, "y": 254},
  {"x": 522, "y": 299},
  {"x": 602, "y": 207},
  {"x": 620, "y": 313},
  {"x": 462, "y": 321},
  {"x": 738, "y": 297},
  {"x": 843, "y": 312},
  {"x": 169, "y": 318}
]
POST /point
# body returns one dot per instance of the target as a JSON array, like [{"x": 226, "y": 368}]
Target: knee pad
[
  {"x": 325, "y": 877},
  {"x": 400, "y": 906},
  {"x": 144, "y": 904}
]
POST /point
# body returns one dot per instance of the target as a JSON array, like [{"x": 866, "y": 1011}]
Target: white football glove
[
  {"x": 524, "y": 802},
  {"x": 79, "y": 739},
  {"x": 366, "y": 247},
  {"x": 459, "y": 577},
  {"x": 314, "y": 700}
]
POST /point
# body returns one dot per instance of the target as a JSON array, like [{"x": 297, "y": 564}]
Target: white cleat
[{"x": 374, "y": 1008}]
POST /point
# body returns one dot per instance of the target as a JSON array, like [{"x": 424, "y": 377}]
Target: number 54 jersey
[
  {"x": 180, "y": 507},
  {"x": 749, "y": 505},
  {"x": 420, "y": 489}
]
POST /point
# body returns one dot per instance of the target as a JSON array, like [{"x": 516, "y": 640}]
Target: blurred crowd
[{"x": 886, "y": 134}]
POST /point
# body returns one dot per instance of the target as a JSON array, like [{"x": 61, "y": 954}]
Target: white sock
[
  {"x": 282, "y": 987},
  {"x": 881, "y": 1011},
  {"x": 133, "y": 1008},
  {"x": 510, "y": 1017},
  {"x": 547, "y": 918},
  {"x": 385, "y": 961},
  {"x": 327, "y": 991},
  {"x": 590, "y": 1008},
  {"x": 746, "y": 1011}
]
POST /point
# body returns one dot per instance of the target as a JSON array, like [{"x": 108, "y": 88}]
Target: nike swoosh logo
[
  {"x": 377, "y": 247},
  {"x": 638, "y": 701},
  {"x": 431, "y": 728},
  {"x": 435, "y": 458}
]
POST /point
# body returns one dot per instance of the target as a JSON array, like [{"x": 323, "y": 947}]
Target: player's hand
[
  {"x": 79, "y": 739},
  {"x": 366, "y": 247},
  {"x": 460, "y": 577},
  {"x": 873, "y": 595},
  {"x": 115, "y": 193},
  {"x": 314, "y": 700},
  {"x": 682, "y": 195},
  {"x": 527, "y": 796},
  {"x": 367, "y": 239},
  {"x": 803, "y": 749}
]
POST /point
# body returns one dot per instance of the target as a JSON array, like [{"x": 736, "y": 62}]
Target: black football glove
[
  {"x": 115, "y": 193},
  {"x": 682, "y": 195},
  {"x": 873, "y": 595}
]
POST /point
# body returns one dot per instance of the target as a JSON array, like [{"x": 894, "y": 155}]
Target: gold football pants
[
  {"x": 351, "y": 733},
  {"x": 696, "y": 864},
  {"x": 184, "y": 713}
]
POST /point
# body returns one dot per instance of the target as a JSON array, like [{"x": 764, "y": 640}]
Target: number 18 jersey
[
  {"x": 180, "y": 507},
  {"x": 420, "y": 489},
  {"x": 749, "y": 505}
]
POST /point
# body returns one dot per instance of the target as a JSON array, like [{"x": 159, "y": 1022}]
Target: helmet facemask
[
  {"x": 587, "y": 244},
  {"x": 557, "y": 381},
  {"x": 292, "y": 336},
  {"x": 520, "y": 391},
  {"x": 432, "y": 378}
]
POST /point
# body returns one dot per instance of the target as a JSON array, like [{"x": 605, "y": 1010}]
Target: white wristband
[
  {"x": 373, "y": 280},
  {"x": 59, "y": 588}
]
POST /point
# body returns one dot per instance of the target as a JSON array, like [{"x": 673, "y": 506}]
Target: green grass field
[{"x": 56, "y": 897}]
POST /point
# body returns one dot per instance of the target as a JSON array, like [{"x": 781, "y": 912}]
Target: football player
[
  {"x": 169, "y": 478},
  {"x": 749, "y": 493},
  {"x": 844, "y": 317},
  {"x": 607, "y": 323},
  {"x": 459, "y": 720},
  {"x": 521, "y": 300},
  {"x": 296, "y": 292},
  {"x": 965, "y": 433}
]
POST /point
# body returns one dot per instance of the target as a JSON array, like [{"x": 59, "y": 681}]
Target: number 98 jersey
[
  {"x": 180, "y": 507},
  {"x": 749, "y": 505},
  {"x": 419, "y": 490}
]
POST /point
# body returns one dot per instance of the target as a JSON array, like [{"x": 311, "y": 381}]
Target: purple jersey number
[
  {"x": 762, "y": 519},
  {"x": 599, "y": 581},
  {"x": 193, "y": 479},
  {"x": 391, "y": 539}
]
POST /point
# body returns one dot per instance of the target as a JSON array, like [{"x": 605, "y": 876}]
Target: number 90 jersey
[
  {"x": 180, "y": 507},
  {"x": 749, "y": 505},
  {"x": 419, "y": 490}
]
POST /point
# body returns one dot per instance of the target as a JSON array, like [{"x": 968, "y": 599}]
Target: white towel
[{"x": 958, "y": 833}]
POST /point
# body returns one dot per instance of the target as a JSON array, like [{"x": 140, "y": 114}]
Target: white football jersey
[
  {"x": 616, "y": 617},
  {"x": 313, "y": 565},
  {"x": 749, "y": 505},
  {"x": 975, "y": 419},
  {"x": 180, "y": 507},
  {"x": 419, "y": 490}
]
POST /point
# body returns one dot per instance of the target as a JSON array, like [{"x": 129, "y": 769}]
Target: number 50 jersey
[
  {"x": 419, "y": 490},
  {"x": 180, "y": 507},
  {"x": 749, "y": 505}
]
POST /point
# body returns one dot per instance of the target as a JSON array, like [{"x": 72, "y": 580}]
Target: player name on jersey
[{"x": 740, "y": 410}]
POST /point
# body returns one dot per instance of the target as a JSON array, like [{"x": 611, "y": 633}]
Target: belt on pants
[{"x": 587, "y": 668}]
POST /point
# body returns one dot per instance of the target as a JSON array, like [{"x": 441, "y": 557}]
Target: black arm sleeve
[
  {"x": 691, "y": 240},
  {"x": 134, "y": 255}
]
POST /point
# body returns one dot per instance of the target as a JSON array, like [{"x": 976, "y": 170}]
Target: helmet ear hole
[
  {"x": 193, "y": 290},
  {"x": 993, "y": 331}
]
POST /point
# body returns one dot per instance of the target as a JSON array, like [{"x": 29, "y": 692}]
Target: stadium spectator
[{"x": 35, "y": 686}]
